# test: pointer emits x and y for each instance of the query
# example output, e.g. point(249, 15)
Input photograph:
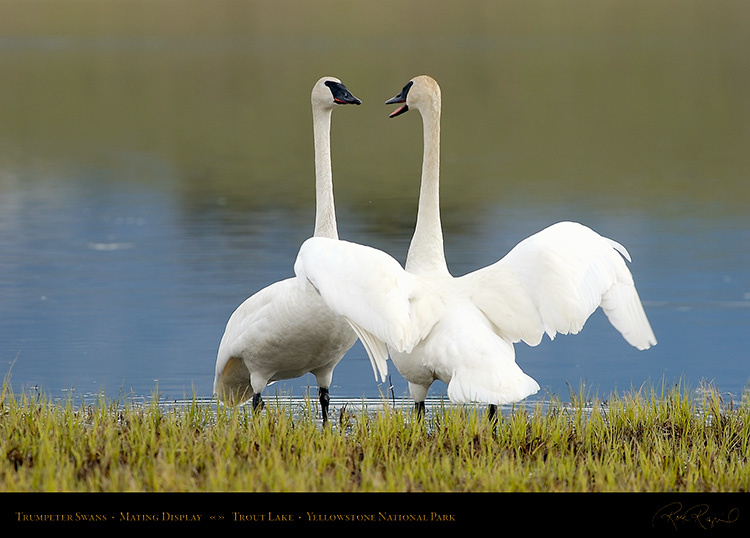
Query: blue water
point(153, 176)
point(119, 288)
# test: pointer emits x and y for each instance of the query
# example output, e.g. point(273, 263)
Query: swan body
point(284, 330)
point(461, 330)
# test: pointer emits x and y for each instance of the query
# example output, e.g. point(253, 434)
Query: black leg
point(492, 417)
point(419, 408)
point(257, 401)
point(325, 398)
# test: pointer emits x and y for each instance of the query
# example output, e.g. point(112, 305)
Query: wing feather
point(384, 304)
point(554, 280)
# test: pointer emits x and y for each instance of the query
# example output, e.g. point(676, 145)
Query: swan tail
point(492, 387)
point(488, 373)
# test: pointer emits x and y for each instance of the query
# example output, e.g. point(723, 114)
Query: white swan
point(283, 331)
point(462, 330)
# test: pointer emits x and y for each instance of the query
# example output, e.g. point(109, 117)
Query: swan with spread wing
point(461, 330)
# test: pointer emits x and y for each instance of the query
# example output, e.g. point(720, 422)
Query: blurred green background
point(636, 104)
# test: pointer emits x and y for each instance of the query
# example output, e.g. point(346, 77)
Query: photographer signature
point(674, 514)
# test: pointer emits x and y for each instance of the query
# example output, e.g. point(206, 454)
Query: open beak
point(400, 98)
point(399, 110)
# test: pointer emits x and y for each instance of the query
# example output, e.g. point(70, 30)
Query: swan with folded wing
point(284, 331)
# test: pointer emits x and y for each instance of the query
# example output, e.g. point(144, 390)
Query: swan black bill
point(400, 98)
point(340, 94)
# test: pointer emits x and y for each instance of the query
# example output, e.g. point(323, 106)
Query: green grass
point(663, 442)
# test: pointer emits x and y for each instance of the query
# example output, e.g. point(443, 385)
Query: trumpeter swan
point(461, 330)
point(284, 331)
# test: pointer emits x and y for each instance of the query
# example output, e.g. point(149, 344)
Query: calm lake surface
point(155, 170)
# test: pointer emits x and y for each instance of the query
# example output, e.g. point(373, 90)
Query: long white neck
point(426, 253)
point(325, 212)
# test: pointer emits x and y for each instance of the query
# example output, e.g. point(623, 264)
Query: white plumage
point(284, 331)
point(461, 330)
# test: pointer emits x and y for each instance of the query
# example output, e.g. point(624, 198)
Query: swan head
point(330, 92)
point(421, 93)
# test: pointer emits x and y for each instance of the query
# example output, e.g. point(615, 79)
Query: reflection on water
point(153, 176)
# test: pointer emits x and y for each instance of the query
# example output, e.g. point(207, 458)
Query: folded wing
point(384, 304)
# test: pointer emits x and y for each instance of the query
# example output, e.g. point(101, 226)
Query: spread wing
point(553, 281)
